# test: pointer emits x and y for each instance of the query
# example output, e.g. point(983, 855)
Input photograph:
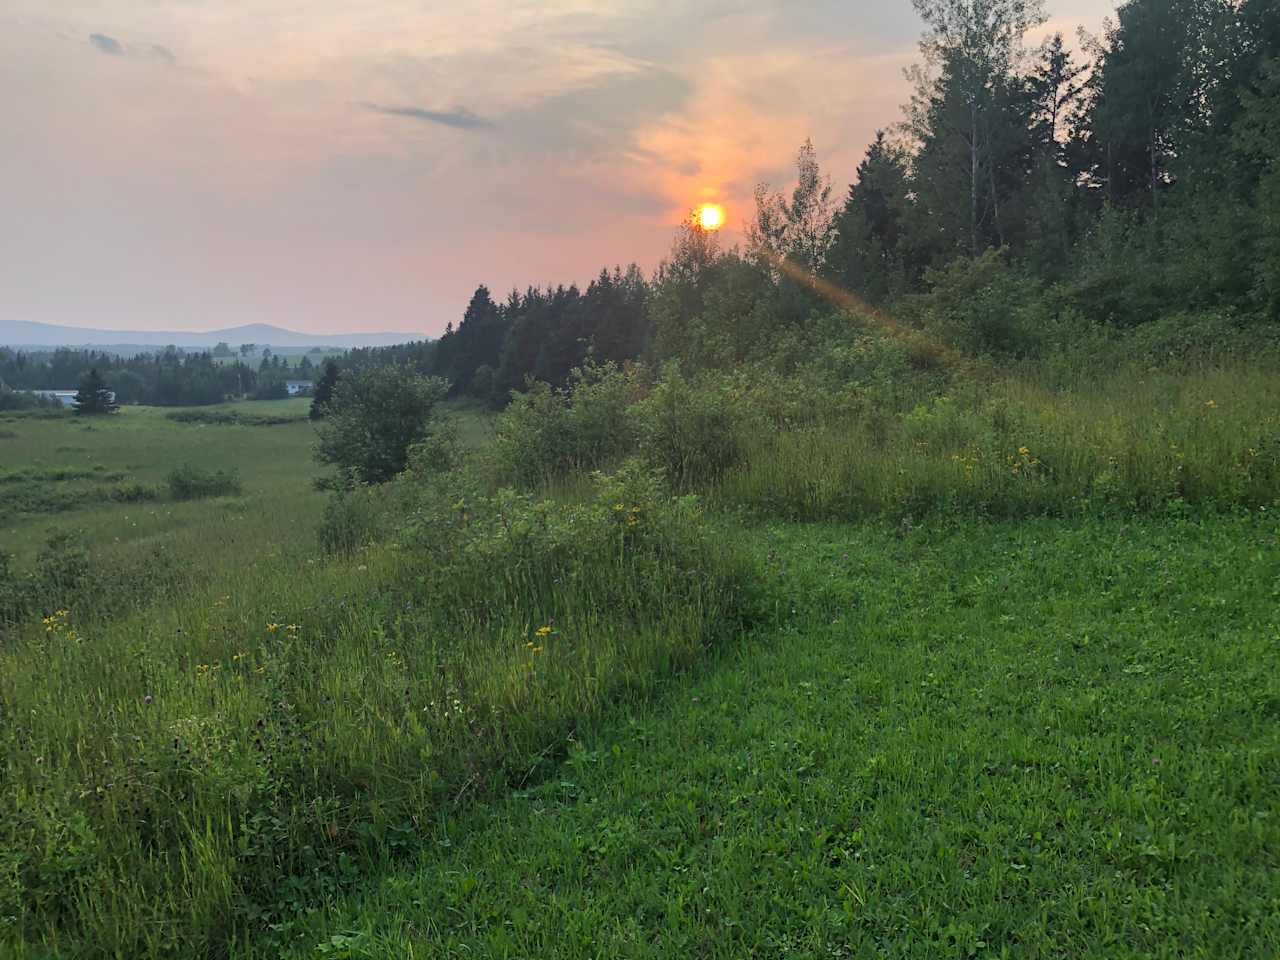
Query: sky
point(331, 166)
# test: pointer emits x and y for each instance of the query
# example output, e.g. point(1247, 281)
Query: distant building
point(298, 388)
point(68, 397)
point(65, 397)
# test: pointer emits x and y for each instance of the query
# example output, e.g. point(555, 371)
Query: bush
point(695, 432)
point(981, 306)
point(132, 493)
point(231, 418)
point(545, 432)
point(22, 400)
point(187, 482)
point(373, 418)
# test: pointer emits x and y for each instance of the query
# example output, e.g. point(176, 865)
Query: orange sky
point(330, 166)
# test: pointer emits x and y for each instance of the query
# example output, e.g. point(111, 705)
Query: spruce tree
point(324, 389)
point(94, 396)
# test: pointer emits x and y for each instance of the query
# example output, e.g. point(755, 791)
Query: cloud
point(461, 118)
point(113, 47)
point(105, 44)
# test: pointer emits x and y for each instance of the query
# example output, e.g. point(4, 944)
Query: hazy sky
point(342, 166)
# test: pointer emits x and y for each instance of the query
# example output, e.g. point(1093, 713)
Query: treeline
point(168, 378)
point(1027, 195)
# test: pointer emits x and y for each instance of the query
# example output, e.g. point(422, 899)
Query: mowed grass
point(1054, 738)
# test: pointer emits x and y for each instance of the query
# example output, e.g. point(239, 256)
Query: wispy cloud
point(461, 118)
point(147, 51)
point(108, 45)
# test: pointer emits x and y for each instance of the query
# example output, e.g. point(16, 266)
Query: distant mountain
point(22, 333)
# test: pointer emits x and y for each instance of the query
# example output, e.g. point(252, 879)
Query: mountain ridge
point(27, 333)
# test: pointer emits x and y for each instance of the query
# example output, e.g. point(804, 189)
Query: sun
point(709, 216)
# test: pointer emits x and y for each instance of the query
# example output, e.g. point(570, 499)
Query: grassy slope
point(1049, 739)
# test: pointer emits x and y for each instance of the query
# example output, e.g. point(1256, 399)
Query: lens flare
point(709, 216)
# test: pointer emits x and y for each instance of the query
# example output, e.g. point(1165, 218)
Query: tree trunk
point(973, 176)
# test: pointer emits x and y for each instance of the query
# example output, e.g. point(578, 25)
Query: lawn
point(1054, 738)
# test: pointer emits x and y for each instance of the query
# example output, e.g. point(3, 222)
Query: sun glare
point(710, 216)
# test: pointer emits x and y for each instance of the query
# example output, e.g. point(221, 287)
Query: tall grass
point(1136, 440)
point(176, 778)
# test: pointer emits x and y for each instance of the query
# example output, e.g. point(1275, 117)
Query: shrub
point(546, 432)
point(22, 400)
point(188, 482)
point(372, 420)
point(132, 492)
point(695, 432)
point(981, 305)
point(231, 418)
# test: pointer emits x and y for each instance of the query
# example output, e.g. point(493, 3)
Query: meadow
point(698, 685)
point(77, 474)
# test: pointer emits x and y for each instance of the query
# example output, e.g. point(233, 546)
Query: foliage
point(546, 432)
point(189, 482)
point(373, 419)
point(168, 378)
point(231, 418)
point(323, 393)
point(94, 397)
point(24, 400)
point(1069, 727)
point(694, 431)
point(211, 767)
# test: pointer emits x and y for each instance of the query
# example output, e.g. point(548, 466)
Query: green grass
point(604, 725)
point(141, 445)
point(1045, 739)
point(1136, 440)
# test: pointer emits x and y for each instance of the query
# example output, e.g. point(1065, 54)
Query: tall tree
point(94, 396)
point(868, 256)
point(799, 230)
point(960, 113)
point(322, 394)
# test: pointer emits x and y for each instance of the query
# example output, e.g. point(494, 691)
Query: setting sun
point(710, 216)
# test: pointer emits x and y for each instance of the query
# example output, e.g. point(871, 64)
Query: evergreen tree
point(94, 396)
point(323, 391)
point(969, 116)
point(868, 256)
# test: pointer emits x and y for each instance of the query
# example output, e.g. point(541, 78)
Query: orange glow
point(709, 216)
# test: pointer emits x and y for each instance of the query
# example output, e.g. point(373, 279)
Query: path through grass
point(1050, 739)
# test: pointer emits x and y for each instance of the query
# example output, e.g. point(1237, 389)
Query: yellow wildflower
point(543, 631)
point(272, 627)
point(1024, 451)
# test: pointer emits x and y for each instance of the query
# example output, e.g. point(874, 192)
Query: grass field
point(1046, 739)
point(142, 445)
point(612, 725)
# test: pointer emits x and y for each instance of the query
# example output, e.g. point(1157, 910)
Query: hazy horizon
point(199, 166)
